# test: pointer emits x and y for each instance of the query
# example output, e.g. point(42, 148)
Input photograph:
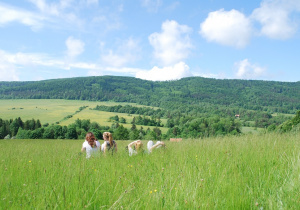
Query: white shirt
point(90, 150)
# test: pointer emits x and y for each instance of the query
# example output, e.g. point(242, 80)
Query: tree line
point(32, 129)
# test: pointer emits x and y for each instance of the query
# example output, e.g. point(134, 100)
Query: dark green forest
point(193, 92)
point(194, 107)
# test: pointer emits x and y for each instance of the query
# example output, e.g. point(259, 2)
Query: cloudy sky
point(150, 39)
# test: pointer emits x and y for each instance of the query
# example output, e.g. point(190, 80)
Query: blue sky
point(150, 39)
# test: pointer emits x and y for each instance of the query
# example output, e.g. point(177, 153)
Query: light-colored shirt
point(90, 151)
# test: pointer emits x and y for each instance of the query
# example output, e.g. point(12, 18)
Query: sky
point(155, 40)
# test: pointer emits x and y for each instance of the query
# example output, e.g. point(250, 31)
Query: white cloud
point(90, 2)
point(173, 44)
point(229, 28)
point(246, 70)
point(151, 5)
point(52, 8)
point(11, 64)
point(62, 13)
point(9, 14)
point(127, 52)
point(175, 72)
point(274, 16)
point(7, 70)
point(173, 5)
point(74, 47)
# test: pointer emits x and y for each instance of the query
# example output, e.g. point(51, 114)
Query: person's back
point(91, 150)
point(109, 143)
point(91, 146)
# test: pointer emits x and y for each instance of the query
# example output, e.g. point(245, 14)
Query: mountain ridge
point(261, 95)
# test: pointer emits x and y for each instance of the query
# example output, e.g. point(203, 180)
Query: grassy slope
point(246, 172)
point(54, 110)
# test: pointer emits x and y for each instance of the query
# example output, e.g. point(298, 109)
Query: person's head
point(90, 137)
point(108, 137)
point(138, 145)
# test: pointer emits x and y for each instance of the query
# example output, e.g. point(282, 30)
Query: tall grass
point(246, 172)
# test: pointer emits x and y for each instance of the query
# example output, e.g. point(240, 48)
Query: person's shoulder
point(85, 143)
point(98, 143)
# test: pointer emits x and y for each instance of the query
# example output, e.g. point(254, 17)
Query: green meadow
point(259, 171)
point(55, 110)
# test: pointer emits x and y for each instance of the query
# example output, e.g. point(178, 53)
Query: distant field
point(251, 130)
point(54, 110)
point(231, 172)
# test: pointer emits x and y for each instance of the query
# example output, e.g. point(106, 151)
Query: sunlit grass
point(55, 110)
point(246, 172)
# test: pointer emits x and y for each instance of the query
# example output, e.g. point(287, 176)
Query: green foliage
point(288, 125)
point(247, 94)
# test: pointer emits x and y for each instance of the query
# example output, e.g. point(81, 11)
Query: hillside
point(192, 93)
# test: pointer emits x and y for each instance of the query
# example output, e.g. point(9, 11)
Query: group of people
point(137, 146)
point(92, 146)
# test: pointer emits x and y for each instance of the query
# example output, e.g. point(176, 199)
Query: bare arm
point(131, 144)
point(156, 145)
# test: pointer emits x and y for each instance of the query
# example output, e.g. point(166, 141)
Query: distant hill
point(184, 94)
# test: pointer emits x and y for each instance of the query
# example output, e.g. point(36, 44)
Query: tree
point(121, 133)
point(22, 134)
point(14, 127)
point(71, 133)
point(48, 133)
point(122, 120)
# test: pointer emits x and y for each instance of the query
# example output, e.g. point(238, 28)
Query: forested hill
point(188, 92)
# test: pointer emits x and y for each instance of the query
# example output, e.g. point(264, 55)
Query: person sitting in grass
point(90, 145)
point(109, 143)
point(135, 147)
point(151, 146)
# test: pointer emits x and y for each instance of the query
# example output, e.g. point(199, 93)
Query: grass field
point(246, 172)
point(52, 111)
point(252, 130)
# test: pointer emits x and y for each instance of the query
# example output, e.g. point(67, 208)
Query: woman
point(151, 147)
point(90, 145)
point(109, 143)
point(135, 147)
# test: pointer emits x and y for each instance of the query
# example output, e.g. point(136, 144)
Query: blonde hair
point(108, 136)
point(138, 145)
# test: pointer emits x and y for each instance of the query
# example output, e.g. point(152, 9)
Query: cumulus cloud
point(174, 72)
point(126, 52)
point(74, 47)
point(173, 44)
point(231, 28)
point(275, 18)
point(9, 14)
point(246, 70)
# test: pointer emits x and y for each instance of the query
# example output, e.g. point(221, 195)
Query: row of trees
point(77, 130)
point(132, 110)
